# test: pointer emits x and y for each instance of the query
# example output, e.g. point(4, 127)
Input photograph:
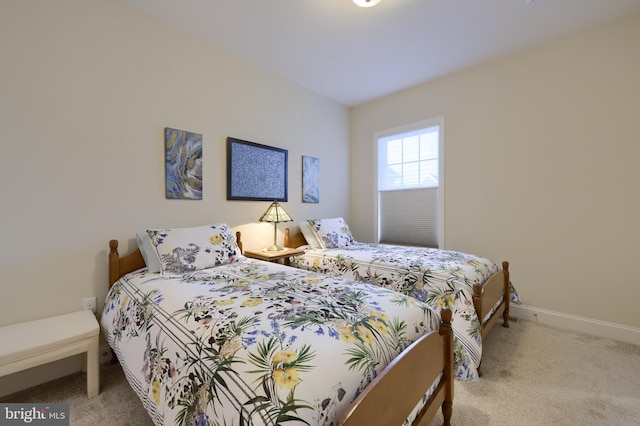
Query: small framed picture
point(310, 179)
point(183, 162)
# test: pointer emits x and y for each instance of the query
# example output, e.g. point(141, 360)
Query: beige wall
point(541, 167)
point(87, 88)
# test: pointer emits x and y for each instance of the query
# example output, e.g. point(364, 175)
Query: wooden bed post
point(477, 304)
point(114, 275)
point(446, 330)
point(114, 262)
point(507, 294)
point(239, 241)
point(287, 237)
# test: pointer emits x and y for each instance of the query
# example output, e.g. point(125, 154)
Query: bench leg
point(93, 369)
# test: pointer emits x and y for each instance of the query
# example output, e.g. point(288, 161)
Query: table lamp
point(276, 214)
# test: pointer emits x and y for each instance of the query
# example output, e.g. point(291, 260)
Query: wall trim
point(598, 328)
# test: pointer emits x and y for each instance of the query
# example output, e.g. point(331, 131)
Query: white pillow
point(183, 250)
point(309, 235)
point(149, 253)
point(332, 233)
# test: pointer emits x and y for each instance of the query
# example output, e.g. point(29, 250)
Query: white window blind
point(408, 186)
point(409, 217)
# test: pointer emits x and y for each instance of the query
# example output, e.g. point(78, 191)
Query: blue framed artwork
point(310, 179)
point(183, 159)
point(255, 171)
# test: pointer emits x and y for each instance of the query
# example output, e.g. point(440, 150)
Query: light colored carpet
point(532, 375)
point(538, 375)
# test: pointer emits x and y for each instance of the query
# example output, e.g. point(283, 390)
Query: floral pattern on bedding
point(441, 278)
point(255, 342)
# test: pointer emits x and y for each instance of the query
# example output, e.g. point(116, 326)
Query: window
point(409, 185)
point(409, 160)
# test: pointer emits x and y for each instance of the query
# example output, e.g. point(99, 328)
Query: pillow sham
point(183, 250)
point(309, 235)
point(332, 233)
point(149, 253)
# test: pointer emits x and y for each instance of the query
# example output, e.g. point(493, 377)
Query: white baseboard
point(598, 328)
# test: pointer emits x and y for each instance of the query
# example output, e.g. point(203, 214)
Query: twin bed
point(213, 337)
point(476, 289)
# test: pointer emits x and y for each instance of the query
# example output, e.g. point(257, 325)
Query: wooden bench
point(38, 342)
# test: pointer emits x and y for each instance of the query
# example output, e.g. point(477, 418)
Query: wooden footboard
point(406, 380)
point(485, 297)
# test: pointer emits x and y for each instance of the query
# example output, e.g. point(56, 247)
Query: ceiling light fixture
point(366, 3)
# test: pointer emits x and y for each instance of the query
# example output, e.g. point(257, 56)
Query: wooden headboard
point(119, 266)
point(294, 241)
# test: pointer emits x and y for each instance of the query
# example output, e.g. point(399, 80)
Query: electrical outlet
point(105, 354)
point(89, 304)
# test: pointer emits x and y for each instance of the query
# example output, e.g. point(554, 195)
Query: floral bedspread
point(441, 278)
point(253, 343)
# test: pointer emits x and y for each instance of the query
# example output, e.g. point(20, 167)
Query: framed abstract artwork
point(310, 179)
point(183, 160)
point(255, 171)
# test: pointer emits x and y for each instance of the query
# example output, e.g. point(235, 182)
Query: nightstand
point(273, 256)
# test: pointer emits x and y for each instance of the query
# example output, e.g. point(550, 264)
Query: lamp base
point(274, 248)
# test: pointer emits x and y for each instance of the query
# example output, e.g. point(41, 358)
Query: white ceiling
point(353, 55)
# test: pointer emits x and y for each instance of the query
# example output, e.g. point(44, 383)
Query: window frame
point(407, 128)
